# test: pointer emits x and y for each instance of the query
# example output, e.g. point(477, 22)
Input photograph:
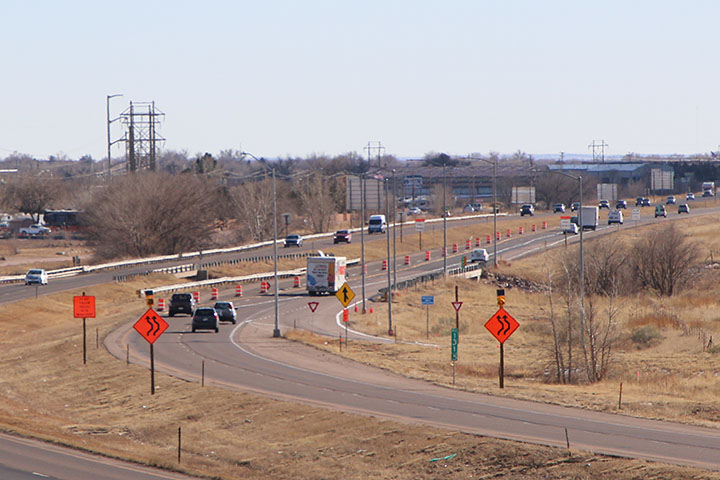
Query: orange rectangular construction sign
point(84, 306)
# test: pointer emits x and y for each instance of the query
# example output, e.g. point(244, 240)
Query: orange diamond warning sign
point(501, 325)
point(150, 326)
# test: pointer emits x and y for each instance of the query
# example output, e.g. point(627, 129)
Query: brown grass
point(105, 406)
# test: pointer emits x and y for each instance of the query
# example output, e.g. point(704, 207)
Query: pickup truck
point(34, 231)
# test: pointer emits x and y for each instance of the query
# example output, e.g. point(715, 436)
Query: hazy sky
point(279, 78)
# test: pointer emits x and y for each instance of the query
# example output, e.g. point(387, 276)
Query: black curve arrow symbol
point(507, 328)
point(154, 326)
point(503, 326)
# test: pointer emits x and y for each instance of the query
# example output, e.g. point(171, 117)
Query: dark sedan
point(205, 318)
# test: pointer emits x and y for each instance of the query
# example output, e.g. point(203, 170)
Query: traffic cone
point(213, 293)
point(161, 305)
point(427, 255)
point(296, 283)
point(468, 243)
point(238, 290)
point(455, 248)
point(407, 259)
point(384, 265)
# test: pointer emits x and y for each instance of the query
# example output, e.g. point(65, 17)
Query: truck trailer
point(590, 217)
point(325, 274)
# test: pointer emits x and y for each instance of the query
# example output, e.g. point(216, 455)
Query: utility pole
point(362, 235)
point(389, 284)
point(598, 147)
point(109, 140)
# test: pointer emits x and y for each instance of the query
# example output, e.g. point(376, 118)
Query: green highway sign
point(454, 344)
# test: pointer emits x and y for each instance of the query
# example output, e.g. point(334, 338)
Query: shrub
point(646, 336)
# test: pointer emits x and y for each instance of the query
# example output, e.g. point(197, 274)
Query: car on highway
point(226, 312)
point(646, 202)
point(575, 206)
point(559, 208)
point(690, 196)
point(37, 276)
point(293, 240)
point(615, 216)
point(469, 209)
point(205, 318)
point(181, 303)
point(639, 201)
point(604, 204)
point(707, 193)
point(342, 236)
point(620, 204)
point(660, 211)
point(572, 228)
point(479, 255)
point(670, 200)
point(683, 208)
point(527, 209)
point(415, 211)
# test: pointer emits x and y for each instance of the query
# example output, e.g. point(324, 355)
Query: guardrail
point(226, 280)
point(66, 272)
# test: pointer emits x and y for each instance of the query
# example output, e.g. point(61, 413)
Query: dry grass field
point(675, 378)
point(105, 406)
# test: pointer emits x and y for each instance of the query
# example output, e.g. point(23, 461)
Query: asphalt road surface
point(245, 357)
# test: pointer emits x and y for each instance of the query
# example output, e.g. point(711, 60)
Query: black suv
point(181, 303)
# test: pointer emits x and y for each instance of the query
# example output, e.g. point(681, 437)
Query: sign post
point(313, 306)
point(501, 326)
point(345, 295)
point(420, 227)
point(150, 326)
point(84, 307)
point(456, 305)
point(454, 337)
point(427, 300)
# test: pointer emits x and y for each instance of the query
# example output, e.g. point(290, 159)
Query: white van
point(377, 224)
point(615, 216)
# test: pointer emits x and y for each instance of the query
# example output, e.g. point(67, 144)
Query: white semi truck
point(325, 274)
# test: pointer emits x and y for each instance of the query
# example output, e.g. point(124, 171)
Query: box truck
point(325, 274)
point(590, 217)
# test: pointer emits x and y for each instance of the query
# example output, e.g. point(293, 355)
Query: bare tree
point(150, 213)
point(31, 195)
point(253, 204)
point(318, 201)
point(663, 260)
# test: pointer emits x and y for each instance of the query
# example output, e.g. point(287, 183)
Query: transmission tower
point(141, 139)
point(378, 148)
point(598, 147)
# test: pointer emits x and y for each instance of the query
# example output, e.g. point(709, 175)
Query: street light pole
point(109, 141)
point(362, 236)
point(276, 330)
point(494, 205)
point(389, 284)
point(444, 215)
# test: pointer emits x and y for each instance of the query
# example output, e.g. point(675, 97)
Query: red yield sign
point(457, 305)
point(150, 326)
point(502, 325)
point(313, 306)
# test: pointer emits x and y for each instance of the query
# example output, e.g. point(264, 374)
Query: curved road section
point(245, 357)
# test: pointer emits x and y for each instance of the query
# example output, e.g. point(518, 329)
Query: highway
point(244, 357)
